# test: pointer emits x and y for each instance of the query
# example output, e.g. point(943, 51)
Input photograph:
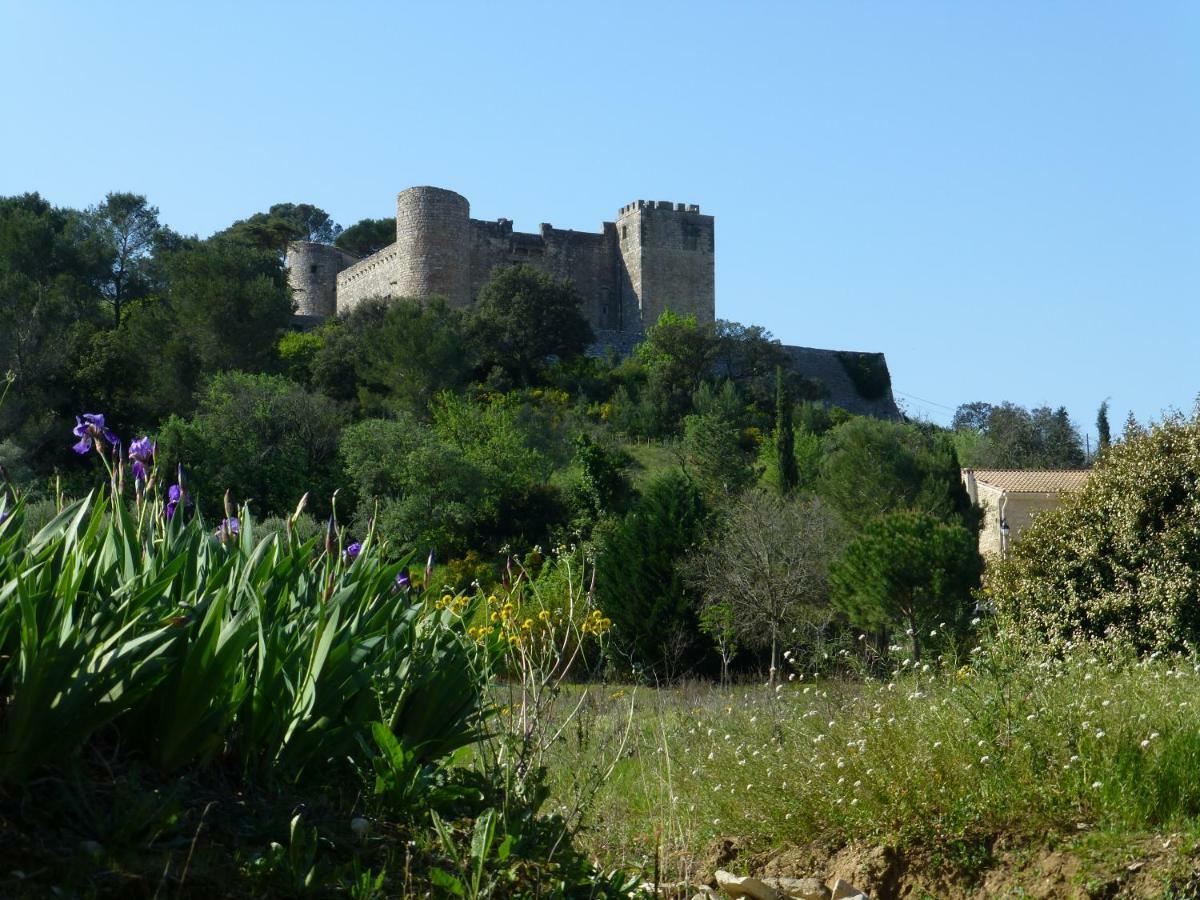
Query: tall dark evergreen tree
point(1103, 430)
point(785, 437)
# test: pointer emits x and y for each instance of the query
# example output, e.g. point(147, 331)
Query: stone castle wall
point(669, 254)
point(659, 256)
point(313, 275)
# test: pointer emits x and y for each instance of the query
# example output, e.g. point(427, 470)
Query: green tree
point(415, 351)
point(641, 579)
point(678, 355)
point(51, 268)
point(601, 487)
point(908, 570)
point(262, 437)
point(367, 236)
point(524, 318)
point(282, 224)
point(128, 226)
point(1103, 431)
point(748, 355)
point(422, 493)
point(785, 438)
point(228, 303)
point(717, 455)
point(871, 467)
point(1008, 436)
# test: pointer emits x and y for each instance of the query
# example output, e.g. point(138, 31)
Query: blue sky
point(1003, 197)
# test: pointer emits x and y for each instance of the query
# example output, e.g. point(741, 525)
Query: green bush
point(1117, 563)
point(641, 584)
point(264, 438)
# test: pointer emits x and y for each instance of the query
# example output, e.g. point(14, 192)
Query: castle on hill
point(656, 256)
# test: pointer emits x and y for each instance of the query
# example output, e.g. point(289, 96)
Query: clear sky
point(1004, 197)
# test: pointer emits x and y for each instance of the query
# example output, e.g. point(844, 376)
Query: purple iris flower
point(228, 528)
point(353, 550)
point(403, 581)
point(90, 428)
point(174, 496)
point(141, 451)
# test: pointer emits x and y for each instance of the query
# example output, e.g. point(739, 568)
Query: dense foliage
point(1118, 562)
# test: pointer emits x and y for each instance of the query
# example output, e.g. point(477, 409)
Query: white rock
point(745, 886)
point(843, 890)
point(799, 888)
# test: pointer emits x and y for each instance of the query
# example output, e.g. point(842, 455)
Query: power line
point(923, 400)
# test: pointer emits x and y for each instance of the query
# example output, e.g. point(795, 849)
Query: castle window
point(624, 232)
point(314, 269)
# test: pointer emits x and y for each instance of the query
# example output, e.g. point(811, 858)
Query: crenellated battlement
point(665, 205)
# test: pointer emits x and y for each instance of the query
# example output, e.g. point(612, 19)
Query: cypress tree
point(1102, 428)
point(785, 437)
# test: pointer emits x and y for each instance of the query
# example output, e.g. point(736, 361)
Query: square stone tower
point(667, 253)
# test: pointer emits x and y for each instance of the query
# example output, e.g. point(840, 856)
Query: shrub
point(1118, 562)
point(640, 579)
point(264, 438)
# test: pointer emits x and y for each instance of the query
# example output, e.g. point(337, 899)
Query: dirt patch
point(1158, 866)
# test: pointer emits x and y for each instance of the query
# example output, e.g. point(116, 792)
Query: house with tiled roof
point(1010, 498)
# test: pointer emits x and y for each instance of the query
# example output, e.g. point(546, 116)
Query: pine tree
point(785, 437)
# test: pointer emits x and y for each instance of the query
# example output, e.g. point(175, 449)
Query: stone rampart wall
point(373, 276)
point(826, 366)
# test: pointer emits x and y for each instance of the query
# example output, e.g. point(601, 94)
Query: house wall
point(1020, 511)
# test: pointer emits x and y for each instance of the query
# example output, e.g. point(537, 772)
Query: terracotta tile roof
point(1032, 481)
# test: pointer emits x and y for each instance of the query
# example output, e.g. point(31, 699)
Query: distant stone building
point(656, 256)
point(1010, 499)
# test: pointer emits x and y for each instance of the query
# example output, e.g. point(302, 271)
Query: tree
point(1103, 431)
point(678, 356)
point(425, 491)
point(1116, 563)
point(785, 438)
point(602, 487)
point(367, 236)
point(51, 268)
point(716, 453)
point(909, 570)
point(524, 318)
point(1009, 436)
point(282, 224)
point(770, 564)
point(640, 579)
point(872, 467)
point(719, 621)
point(748, 355)
point(262, 437)
point(128, 226)
point(415, 351)
point(229, 303)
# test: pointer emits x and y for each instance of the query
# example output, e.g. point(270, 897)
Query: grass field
point(952, 763)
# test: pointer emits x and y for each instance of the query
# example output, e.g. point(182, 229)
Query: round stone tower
point(312, 271)
point(433, 244)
